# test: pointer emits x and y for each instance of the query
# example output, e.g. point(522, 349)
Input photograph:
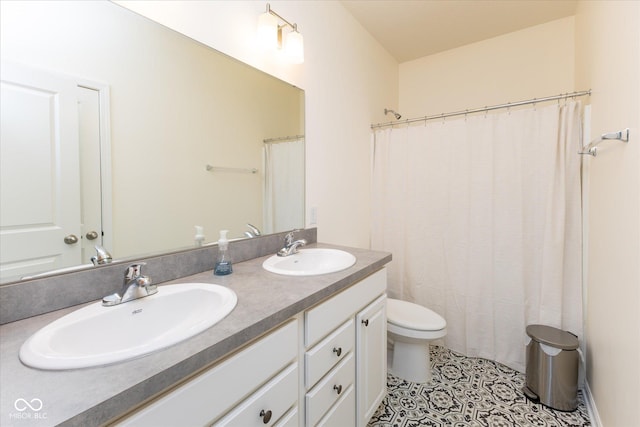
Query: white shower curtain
point(283, 186)
point(482, 215)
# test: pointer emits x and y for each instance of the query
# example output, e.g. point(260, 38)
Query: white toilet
point(410, 327)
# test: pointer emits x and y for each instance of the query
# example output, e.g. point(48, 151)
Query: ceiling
point(411, 29)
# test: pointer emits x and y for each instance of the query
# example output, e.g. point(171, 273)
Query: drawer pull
point(337, 351)
point(365, 322)
point(338, 388)
point(266, 416)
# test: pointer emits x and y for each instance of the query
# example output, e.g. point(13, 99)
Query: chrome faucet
point(135, 286)
point(102, 256)
point(291, 246)
point(253, 231)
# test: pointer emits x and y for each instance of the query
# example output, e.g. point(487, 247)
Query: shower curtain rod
point(483, 109)
point(282, 139)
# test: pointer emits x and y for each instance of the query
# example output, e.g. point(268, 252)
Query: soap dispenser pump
point(223, 260)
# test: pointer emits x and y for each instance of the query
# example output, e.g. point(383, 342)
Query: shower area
point(482, 211)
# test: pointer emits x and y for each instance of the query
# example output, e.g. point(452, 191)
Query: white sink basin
point(310, 262)
point(95, 335)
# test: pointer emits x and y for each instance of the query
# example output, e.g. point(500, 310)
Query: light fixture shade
point(268, 31)
point(294, 47)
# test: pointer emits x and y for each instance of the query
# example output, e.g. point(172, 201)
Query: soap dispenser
point(223, 260)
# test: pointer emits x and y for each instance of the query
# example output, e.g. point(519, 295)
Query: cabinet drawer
point(324, 318)
point(325, 355)
point(324, 395)
point(215, 391)
point(343, 413)
point(267, 405)
point(290, 419)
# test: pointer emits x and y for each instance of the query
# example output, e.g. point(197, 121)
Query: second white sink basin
point(310, 262)
point(95, 335)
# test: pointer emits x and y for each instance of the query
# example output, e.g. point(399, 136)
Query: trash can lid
point(553, 337)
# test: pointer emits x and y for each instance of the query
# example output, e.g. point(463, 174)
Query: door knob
point(71, 239)
point(338, 388)
point(92, 235)
point(337, 351)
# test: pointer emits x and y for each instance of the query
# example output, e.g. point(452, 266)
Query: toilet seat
point(408, 315)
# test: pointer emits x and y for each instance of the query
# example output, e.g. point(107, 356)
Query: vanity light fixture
point(270, 34)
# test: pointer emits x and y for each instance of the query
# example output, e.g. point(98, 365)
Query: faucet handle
point(254, 230)
point(288, 239)
point(102, 256)
point(134, 270)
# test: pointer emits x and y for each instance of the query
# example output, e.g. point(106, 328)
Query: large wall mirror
point(121, 133)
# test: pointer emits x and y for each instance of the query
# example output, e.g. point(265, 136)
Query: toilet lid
point(413, 316)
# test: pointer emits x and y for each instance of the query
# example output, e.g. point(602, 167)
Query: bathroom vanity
point(296, 351)
point(324, 346)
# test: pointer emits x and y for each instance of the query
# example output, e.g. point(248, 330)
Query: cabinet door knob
point(92, 235)
point(338, 388)
point(337, 351)
point(365, 322)
point(266, 416)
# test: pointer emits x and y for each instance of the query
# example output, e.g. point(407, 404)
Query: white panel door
point(39, 182)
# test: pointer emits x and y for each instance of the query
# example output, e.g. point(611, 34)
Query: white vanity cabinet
point(256, 386)
point(325, 367)
point(371, 373)
point(345, 355)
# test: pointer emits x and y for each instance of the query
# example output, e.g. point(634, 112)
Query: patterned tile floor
point(467, 391)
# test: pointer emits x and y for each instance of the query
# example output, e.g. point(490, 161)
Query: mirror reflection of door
point(90, 191)
point(44, 221)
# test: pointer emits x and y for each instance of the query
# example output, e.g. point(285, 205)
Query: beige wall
point(348, 81)
point(526, 64)
point(608, 61)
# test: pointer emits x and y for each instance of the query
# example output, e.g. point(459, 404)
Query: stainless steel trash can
point(552, 367)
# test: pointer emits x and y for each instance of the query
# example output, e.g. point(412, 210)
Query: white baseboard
point(592, 410)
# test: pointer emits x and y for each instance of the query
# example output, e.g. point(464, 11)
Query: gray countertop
point(93, 396)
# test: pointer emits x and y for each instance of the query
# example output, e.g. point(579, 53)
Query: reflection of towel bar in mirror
point(224, 169)
point(283, 139)
point(591, 149)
